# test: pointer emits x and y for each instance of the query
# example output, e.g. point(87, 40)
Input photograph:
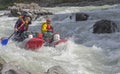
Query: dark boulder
point(81, 16)
point(2, 61)
point(56, 70)
point(104, 26)
point(10, 68)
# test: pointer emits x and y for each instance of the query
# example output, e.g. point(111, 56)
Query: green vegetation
point(4, 4)
point(24, 1)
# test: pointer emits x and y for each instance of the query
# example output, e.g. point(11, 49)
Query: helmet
point(48, 20)
point(30, 36)
point(56, 37)
point(39, 35)
point(27, 14)
point(19, 13)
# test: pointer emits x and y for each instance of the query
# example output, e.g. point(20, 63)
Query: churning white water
point(84, 53)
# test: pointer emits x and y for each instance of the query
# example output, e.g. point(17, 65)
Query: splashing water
point(84, 53)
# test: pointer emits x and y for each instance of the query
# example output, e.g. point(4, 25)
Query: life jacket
point(26, 27)
point(27, 22)
point(18, 23)
point(48, 27)
point(44, 28)
point(21, 25)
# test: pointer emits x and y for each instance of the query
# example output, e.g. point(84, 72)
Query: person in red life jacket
point(20, 17)
point(47, 30)
point(22, 26)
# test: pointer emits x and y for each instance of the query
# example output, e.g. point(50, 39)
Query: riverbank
point(60, 3)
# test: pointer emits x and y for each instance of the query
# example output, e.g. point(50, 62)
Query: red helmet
point(40, 35)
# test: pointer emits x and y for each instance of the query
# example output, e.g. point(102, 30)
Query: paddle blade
point(4, 41)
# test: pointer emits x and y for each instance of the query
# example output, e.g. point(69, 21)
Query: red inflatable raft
point(34, 43)
point(60, 41)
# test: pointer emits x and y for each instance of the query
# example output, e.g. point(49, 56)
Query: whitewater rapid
point(84, 53)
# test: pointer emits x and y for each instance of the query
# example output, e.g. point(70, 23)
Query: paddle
point(4, 41)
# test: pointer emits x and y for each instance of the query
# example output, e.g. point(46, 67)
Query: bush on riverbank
point(5, 3)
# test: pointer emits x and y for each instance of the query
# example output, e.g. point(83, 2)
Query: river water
point(84, 53)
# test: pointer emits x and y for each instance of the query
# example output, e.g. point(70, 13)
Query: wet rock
point(56, 70)
point(9, 68)
point(32, 8)
point(104, 26)
point(81, 16)
point(2, 61)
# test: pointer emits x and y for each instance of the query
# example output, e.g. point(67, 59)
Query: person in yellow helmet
point(46, 26)
point(47, 30)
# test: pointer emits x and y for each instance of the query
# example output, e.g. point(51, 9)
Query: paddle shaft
point(11, 35)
